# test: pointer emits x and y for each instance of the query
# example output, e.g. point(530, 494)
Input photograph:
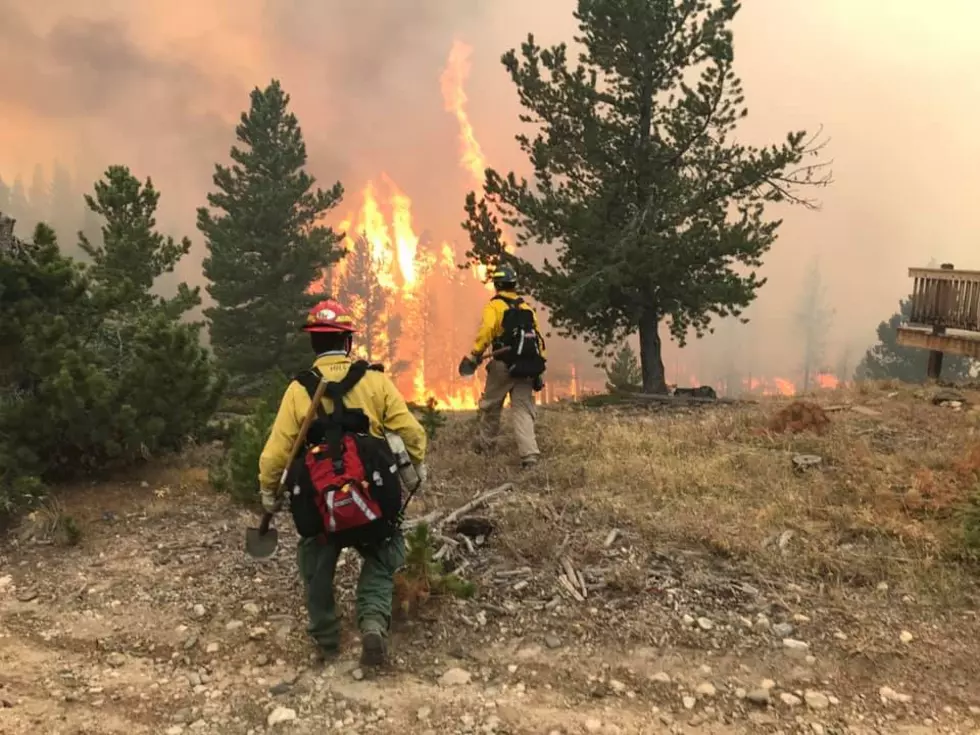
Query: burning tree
point(652, 206)
point(378, 327)
point(265, 244)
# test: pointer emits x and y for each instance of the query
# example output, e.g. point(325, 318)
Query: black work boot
point(374, 649)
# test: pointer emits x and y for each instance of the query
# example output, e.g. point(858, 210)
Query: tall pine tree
point(813, 318)
point(657, 213)
point(265, 244)
point(132, 254)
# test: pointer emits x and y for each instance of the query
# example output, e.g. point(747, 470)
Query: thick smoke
point(160, 85)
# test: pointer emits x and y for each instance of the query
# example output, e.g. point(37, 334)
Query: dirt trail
point(158, 623)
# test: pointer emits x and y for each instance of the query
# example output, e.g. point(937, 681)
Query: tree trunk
point(651, 360)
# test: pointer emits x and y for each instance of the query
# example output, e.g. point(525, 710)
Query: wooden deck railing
point(947, 298)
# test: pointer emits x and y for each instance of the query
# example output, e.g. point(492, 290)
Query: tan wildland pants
point(521, 391)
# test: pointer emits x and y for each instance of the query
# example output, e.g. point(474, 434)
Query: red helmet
point(329, 316)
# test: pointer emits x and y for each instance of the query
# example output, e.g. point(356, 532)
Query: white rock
point(790, 700)
point(689, 702)
point(816, 700)
point(175, 730)
point(705, 623)
point(423, 713)
point(212, 648)
point(617, 686)
point(687, 620)
point(906, 637)
point(794, 645)
point(5, 581)
point(768, 684)
point(889, 695)
point(705, 689)
point(257, 633)
point(455, 677)
point(233, 624)
point(661, 677)
point(251, 608)
point(199, 611)
point(280, 715)
point(593, 725)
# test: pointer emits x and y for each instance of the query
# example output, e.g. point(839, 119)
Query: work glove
point(468, 365)
point(270, 500)
point(423, 472)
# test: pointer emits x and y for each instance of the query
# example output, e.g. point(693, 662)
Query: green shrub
point(237, 471)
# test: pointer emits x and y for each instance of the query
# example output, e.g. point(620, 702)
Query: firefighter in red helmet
point(331, 329)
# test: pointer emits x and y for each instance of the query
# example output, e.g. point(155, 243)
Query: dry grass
point(887, 502)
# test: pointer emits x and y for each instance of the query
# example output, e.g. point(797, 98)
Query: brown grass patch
point(884, 504)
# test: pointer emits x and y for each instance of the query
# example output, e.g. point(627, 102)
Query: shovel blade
point(260, 545)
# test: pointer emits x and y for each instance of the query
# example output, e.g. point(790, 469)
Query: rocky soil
point(157, 622)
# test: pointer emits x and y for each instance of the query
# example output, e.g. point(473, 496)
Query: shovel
point(468, 367)
point(261, 542)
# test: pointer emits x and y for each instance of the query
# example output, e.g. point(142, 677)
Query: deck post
point(935, 365)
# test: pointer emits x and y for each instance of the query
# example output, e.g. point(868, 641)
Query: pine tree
point(888, 359)
point(132, 255)
point(813, 318)
point(4, 196)
point(66, 204)
point(657, 214)
point(265, 243)
point(360, 289)
point(39, 194)
point(623, 373)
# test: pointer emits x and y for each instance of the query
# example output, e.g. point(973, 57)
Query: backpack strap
point(511, 303)
point(310, 380)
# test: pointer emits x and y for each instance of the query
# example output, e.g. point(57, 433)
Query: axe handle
point(297, 443)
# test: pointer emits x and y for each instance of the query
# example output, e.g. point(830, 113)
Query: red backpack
point(344, 484)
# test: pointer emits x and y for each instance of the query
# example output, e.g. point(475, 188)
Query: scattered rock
point(115, 660)
point(705, 623)
point(593, 725)
point(174, 730)
point(424, 713)
point(282, 687)
point(796, 648)
point(759, 697)
point(251, 609)
point(233, 625)
point(455, 677)
point(889, 695)
point(782, 630)
point(617, 686)
point(661, 677)
point(199, 611)
point(257, 634)
point(358, 674)
point(689, 702)
point(790, 700)
point(552, 641)
point(212, 647)
point(280, 715)
point(906, 637)
point(705, 689)
point(27, 595)
point(816, 700)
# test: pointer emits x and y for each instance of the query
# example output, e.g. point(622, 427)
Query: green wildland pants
point(317, 565)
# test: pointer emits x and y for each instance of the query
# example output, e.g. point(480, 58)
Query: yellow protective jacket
point(374, 394)
point(492, 322)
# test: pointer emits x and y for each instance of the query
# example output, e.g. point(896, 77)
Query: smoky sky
point(159, 85)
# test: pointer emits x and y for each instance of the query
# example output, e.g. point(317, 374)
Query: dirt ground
point(727, 589)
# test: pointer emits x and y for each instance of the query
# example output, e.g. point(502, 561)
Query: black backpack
point(518, 333)
point(344, 483)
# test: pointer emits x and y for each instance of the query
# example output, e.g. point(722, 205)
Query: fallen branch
point(477, 502)
point(576, 595)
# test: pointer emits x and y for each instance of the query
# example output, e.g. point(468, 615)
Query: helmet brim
point(327, 329)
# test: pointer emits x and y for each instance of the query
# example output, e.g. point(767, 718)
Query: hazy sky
point(159, 85)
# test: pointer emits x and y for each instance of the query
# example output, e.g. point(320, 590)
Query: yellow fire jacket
point(375, 394)
point(492, 322)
